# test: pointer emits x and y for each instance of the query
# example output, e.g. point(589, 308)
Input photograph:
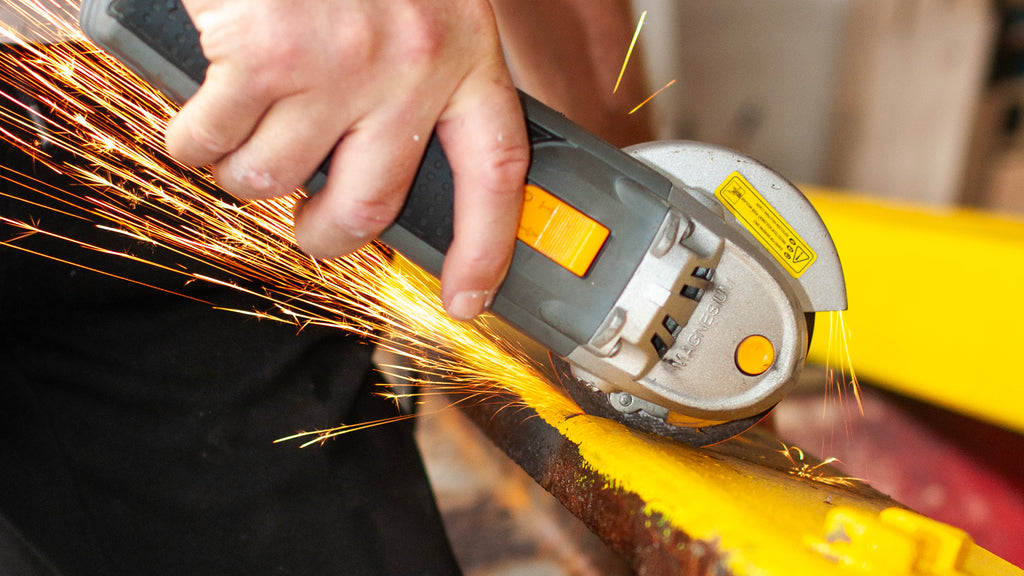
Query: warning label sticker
point(766, 224)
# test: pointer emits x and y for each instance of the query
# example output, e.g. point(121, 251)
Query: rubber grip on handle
point(168, 29)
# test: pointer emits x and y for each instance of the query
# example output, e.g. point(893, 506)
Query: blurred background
point(910, 99)
point(920, 102)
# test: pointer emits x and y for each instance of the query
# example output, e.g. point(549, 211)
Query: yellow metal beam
point(745, 507)
point(936, 303)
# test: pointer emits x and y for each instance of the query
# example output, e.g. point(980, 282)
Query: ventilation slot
point(659, 345)
point(693, 293)
point(671, 325)
point(704, 273)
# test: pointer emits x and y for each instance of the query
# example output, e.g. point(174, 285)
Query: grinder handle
point(546, 300)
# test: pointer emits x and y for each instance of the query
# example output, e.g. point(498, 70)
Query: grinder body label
point(766, 224)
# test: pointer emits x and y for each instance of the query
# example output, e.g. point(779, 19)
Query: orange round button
point(754, 356)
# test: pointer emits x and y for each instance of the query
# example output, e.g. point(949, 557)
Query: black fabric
point(18, 556)
point(137, 427)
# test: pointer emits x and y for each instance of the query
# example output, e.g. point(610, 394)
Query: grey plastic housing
point(165, 62)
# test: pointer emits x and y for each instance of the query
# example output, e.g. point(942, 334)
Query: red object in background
point(951, 468)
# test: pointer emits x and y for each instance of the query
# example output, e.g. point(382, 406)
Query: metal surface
point(703, 168)
point(709, 282)
point(947, 466)
point(737, 508)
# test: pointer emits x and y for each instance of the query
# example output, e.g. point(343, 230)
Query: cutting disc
point(597, 403)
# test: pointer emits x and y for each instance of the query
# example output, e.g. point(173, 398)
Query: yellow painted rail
point(936, 303)
point(744, 508)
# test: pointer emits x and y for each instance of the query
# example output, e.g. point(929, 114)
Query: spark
point(838, 362)
point(813, 472)
point(100, 125)
point(629, 51)
point(651, 97)
point(31, 228)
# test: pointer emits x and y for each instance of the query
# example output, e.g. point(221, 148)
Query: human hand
point(289, 82)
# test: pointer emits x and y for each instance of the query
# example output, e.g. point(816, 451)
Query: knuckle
point(506, 169)
point(208, 140)
point(368, 217)
point(424, 45)
point(279, 56)
point(270, 72)
point(255, 46)
point(241, 179)
point(423, 39)
point(353, 47)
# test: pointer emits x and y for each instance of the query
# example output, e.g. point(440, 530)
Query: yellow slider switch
point(562, 233)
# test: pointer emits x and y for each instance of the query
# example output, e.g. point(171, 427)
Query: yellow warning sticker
point(559, 231)
point(766, 224)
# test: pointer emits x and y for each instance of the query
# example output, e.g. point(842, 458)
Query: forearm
point(568, 53)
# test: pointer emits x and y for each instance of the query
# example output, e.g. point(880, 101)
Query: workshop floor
point(951, 468)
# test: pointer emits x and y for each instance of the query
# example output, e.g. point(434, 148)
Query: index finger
point(216, 120)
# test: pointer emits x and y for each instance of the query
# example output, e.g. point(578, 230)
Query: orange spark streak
point(651, 97)
point(802, 469)
point(629, 52)
point(112, 124)
point(34, 229)
point(839, 371)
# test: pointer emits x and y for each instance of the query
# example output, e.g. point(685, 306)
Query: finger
point(484, 135)
point(216, 120)
point(292, 140)
point(370, 174)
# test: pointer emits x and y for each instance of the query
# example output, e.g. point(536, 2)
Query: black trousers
point(136, 426)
